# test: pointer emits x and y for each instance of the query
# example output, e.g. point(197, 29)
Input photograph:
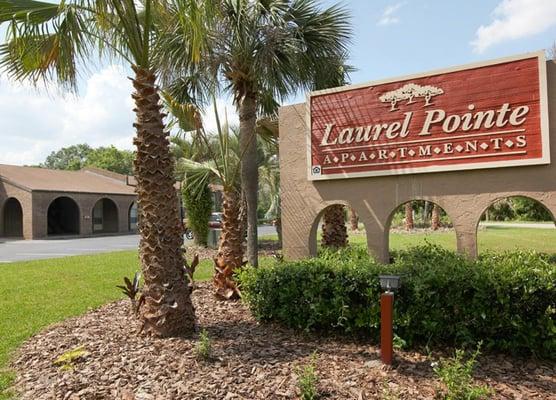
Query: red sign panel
point(480, 116)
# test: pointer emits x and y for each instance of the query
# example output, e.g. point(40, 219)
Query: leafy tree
point(69, 158)
point(75, 157)
point(111, 159)
point(50, 42)
point(527, 209)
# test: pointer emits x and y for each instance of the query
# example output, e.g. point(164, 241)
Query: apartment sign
point(486, 115)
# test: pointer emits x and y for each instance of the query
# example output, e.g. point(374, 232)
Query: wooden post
point(386, 327)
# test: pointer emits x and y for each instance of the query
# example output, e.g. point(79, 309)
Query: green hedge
point(508, 300)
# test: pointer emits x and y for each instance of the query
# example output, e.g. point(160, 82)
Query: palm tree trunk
point(230, 250)
point(243, 217)
point(435, 219)
point(353, 219)
point(334, 232)
point(166, 308)
point(249, 171)
point(278, 225)
point(409, 225)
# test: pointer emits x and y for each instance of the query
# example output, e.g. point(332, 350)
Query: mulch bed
point(249, 361)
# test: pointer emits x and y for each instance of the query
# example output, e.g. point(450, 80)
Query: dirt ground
point(248, 361)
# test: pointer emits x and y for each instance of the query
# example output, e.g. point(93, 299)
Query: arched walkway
point(12, 216)
point(63, 217)
point(132, 217)
point(105, 216)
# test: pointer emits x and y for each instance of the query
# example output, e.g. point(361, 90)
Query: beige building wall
point(464, 195)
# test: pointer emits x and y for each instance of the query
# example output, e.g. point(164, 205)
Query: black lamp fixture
point(390, 283)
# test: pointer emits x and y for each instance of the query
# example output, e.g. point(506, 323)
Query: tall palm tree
point(353, 219)
point(409, 224)
point(49, 42)
point(334, 231)
point(223, 168)
point(435, 219)
point(266, 50)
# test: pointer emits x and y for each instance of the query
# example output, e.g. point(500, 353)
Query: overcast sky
point(392, 38)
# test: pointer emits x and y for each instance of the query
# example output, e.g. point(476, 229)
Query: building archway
point(105, 216)
point(63, 217)
point(132, 217)
point(338, 227)
point(417, 222)
point(12, 218)
point(517, 222)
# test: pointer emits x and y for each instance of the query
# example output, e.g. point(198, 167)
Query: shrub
point(198, 207)
point(506, 300)
point(203, 350)
point(456, 374)
point(307, 379)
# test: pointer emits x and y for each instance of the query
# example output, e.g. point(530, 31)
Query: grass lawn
point(493, 238)
point(35, 294)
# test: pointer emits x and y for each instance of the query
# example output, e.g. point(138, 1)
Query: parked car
point(215, 222)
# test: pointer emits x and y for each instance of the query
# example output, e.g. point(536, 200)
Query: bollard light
point(389, 283)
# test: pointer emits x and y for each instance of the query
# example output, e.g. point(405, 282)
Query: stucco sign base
point(464, 195)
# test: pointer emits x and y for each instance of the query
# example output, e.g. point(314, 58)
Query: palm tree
point(334, 231)
point(409, 225)
point(266, 50)
point(49, 42)
point(353, 219)
point(222, 168)
point(435, 219)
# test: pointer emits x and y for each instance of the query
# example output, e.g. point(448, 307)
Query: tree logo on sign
point(410, 92)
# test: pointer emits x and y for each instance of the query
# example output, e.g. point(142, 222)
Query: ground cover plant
point(507, 300)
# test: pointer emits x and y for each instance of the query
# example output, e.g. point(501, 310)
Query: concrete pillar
point(377, 239)
point(466, 236)
point(86, 205)
point(301, 239)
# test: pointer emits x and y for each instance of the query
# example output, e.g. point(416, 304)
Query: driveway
point(21, 250)
point(534, 225)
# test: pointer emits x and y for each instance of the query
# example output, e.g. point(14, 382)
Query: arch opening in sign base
point(517, 222)
point(419, 222)
point(337, 226)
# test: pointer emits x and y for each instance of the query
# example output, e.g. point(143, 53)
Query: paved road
point(535, 225)
point(20, 250)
